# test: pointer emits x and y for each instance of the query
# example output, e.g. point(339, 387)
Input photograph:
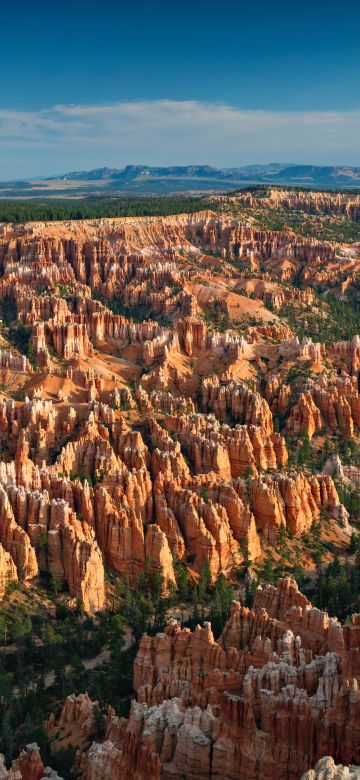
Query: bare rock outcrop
point(162, 436)
point(272, 696)
point(326, 768)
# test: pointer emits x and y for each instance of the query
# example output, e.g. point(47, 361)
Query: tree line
point(45, 210)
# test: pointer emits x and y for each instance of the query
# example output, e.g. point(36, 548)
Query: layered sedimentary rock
point(161, 436)
point(322, 202)
point(328, 403)
point(153, 402)
point(305, 416)
point(245, 405)
point(28, 766)
point(8, 571)
point(202, 481)
point(98, 502)
point(77, 711)
point(326, 768)
point(276, 693)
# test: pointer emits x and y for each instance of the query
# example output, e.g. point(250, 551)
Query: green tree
point(205, 579)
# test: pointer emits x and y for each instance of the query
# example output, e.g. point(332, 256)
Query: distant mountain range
point(177, 179)
point(273, 172)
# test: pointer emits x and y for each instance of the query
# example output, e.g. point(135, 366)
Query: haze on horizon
point(198, 84)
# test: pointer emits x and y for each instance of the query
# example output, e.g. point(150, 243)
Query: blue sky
point(84, 84)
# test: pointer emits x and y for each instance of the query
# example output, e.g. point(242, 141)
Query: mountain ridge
point(281, 172)
point(181, 179)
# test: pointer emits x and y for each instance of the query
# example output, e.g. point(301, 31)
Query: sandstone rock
point(185, 463)
point(243, 707)
point(158, 552)
point(305, 417)
point(29, 764)
point(326, 768)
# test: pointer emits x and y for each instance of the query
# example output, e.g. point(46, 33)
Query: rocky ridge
point(129, 443)
point(277, 693)
point(157, 411)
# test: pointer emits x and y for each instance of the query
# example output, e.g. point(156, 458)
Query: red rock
point(271, 697)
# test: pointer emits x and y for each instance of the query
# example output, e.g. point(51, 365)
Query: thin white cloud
point(170, 132)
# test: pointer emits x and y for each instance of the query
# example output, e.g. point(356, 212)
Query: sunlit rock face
point(158, 437)
point(245, 706)
point(162, 393)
